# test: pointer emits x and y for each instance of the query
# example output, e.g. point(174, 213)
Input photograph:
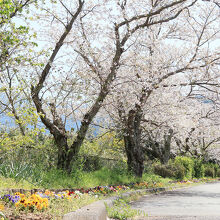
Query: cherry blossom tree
point(93, 64)
point(175, 54)
point(193, 120)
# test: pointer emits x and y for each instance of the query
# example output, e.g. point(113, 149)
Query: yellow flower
point(33, 202)
point(17, 204)
point(29, 203)
point(47, 192)
point(22, 196)
point(44, 205)
point(1, 207)
point(22, 201)
point(39, 206)
point(45, 200)
point(25, 204)
point(33, 196)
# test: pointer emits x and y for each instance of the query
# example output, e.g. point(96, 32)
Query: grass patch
point(59, 208)
point(57, 179)
point(7, 183)
point(122, 210)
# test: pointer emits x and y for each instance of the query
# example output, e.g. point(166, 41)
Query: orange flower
point(47, 192)
point(39, 206)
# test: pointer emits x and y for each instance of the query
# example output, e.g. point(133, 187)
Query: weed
point(122, 210)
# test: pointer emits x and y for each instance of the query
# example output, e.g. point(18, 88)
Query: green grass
point(58, 208)
point(56, 179)
point(122, 210)
point(9, 183)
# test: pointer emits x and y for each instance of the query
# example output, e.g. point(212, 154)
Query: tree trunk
point(132, 139)
point(135, 156)
point(62, 146)
point(75, 147)
point(73, 153)
point(167, 146)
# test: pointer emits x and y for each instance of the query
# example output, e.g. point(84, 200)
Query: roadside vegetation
point(42, 191)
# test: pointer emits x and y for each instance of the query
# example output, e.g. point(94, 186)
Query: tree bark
point(61, 142)
point(132, 139)
point(135, 156)
point(167, 147)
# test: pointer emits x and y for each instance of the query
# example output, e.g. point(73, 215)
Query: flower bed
point(40, 202)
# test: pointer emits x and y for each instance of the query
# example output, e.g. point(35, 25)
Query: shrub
point(199, 170)
point(164, 171)
point(180, 172)
point(209, 172)
point(91, 163)
point(216, 167)
point(170, 170)
point(187, 163)
point(211, 169)
point(218, 173)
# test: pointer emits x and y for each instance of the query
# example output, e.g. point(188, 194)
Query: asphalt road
point(200, 202)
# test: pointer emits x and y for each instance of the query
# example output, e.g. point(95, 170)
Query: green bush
point(199, 169)
point(209, 172)
point(216, 167)
point(211, 169)
point(187, 163)
point(218, 173)
point(180, 172)
point(170, 170)
point(91, 163)
point(164, 171)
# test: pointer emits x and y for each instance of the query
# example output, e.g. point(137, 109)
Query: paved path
point(200, 202)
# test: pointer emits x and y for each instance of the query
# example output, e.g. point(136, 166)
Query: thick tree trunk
point(135, 156)
point(81, 134)
point(132, 139)
point(62, 146)
point(73, 153)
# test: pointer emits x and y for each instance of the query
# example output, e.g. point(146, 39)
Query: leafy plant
point(122, 210)
point(187, 163)
point(199, 169)
point(218, 173)
point(209, 172)
point(170, 170)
